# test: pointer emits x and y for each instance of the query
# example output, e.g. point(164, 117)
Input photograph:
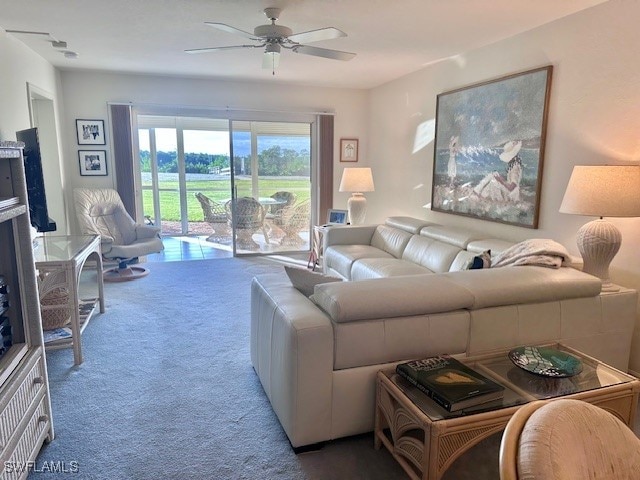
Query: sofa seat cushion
point(368, 268)
point(391, 297)
point(340, 258)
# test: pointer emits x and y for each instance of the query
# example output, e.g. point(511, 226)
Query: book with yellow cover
point(449, 382)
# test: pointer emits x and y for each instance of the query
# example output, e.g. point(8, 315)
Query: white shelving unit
point(25, 404)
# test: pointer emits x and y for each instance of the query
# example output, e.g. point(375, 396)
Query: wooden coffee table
point(426, 439)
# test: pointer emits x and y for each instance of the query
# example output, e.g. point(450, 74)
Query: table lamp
point(602, 191)
point(357, 180)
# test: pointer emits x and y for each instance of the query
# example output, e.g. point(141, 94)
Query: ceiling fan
point(275, 37)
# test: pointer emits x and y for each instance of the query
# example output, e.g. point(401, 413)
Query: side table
point(59, 261)
point(425, 439)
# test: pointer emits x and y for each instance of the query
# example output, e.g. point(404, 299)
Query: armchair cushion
point(101, 212)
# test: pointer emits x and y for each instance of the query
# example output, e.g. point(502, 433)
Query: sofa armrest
point(349, 235)
point(292, 353)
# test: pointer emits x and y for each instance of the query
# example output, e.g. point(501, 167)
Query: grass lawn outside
point(218, 189)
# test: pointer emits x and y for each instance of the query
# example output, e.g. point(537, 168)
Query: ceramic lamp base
point(598, 242)
point(357, 207)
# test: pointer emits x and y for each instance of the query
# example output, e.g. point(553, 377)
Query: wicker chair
point(215, 215)
point(568, 439)
point(284, 199)
point(295, 219)
point(248, 217)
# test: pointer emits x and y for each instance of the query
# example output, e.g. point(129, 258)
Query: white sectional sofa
point(408, 296)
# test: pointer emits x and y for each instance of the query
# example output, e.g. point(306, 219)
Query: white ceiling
point(390, 38)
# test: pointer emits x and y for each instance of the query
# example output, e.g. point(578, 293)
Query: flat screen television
point(35, 181)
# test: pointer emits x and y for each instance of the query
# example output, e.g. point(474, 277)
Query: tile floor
point(177, 249)
point(184, 248)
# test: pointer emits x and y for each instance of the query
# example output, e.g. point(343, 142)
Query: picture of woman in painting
point(497, 187)
point(452, 167)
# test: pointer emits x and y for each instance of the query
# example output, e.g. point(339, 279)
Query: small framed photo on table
point(90, 132)
point(93, 162)
point(336, 217)
point(348, 149)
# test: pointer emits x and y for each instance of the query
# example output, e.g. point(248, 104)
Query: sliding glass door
point(272, 179)
point(259, 203)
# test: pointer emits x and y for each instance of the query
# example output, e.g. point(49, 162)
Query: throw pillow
point(304, 280)
point(480, 261)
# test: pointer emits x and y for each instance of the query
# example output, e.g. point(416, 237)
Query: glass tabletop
point(520, 385)
point(59, 248)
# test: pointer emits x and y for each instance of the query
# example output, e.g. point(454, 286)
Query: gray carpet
point(167, 391)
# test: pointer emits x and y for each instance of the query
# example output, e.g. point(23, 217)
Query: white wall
point(593, 119)
point(86, 95)
point(21, 66)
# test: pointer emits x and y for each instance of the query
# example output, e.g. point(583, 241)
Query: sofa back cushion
point(391, 297)
point(408, 224)
point(390, 240)
point(460, 237)
point(491, 287)
point(432, 254)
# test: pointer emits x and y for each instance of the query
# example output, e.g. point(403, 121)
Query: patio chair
point(284, 199)
point(247, 217)
point(101, 212)
point(295, 219)
point(215, 215)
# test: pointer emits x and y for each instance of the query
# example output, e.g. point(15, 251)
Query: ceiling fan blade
point(229, 29)
point(317, 35)
point(213, 49)
point(323, 52)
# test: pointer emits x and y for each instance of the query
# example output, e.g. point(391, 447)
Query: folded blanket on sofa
point(542, 252)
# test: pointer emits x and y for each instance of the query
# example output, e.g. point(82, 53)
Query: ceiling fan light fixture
point(271, 58)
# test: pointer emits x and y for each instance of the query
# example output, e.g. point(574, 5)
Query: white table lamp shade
point(357, 180)
point(603, 191)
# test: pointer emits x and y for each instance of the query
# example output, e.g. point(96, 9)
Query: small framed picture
point(348, 149)
point(336, 217)
point(93, 162)
point(90, 132)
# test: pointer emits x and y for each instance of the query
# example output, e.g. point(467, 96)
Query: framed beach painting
point(489, 148)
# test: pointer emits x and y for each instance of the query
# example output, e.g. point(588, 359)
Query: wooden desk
point(61, 259)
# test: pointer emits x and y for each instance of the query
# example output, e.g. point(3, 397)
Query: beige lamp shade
point(357, 180)
point(602, 191)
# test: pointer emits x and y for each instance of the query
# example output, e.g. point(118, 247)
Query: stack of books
point(450, 383)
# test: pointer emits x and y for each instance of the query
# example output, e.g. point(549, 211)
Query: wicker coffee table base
point(426, 448)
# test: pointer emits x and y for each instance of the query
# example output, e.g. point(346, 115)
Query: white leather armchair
point(101, 212)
